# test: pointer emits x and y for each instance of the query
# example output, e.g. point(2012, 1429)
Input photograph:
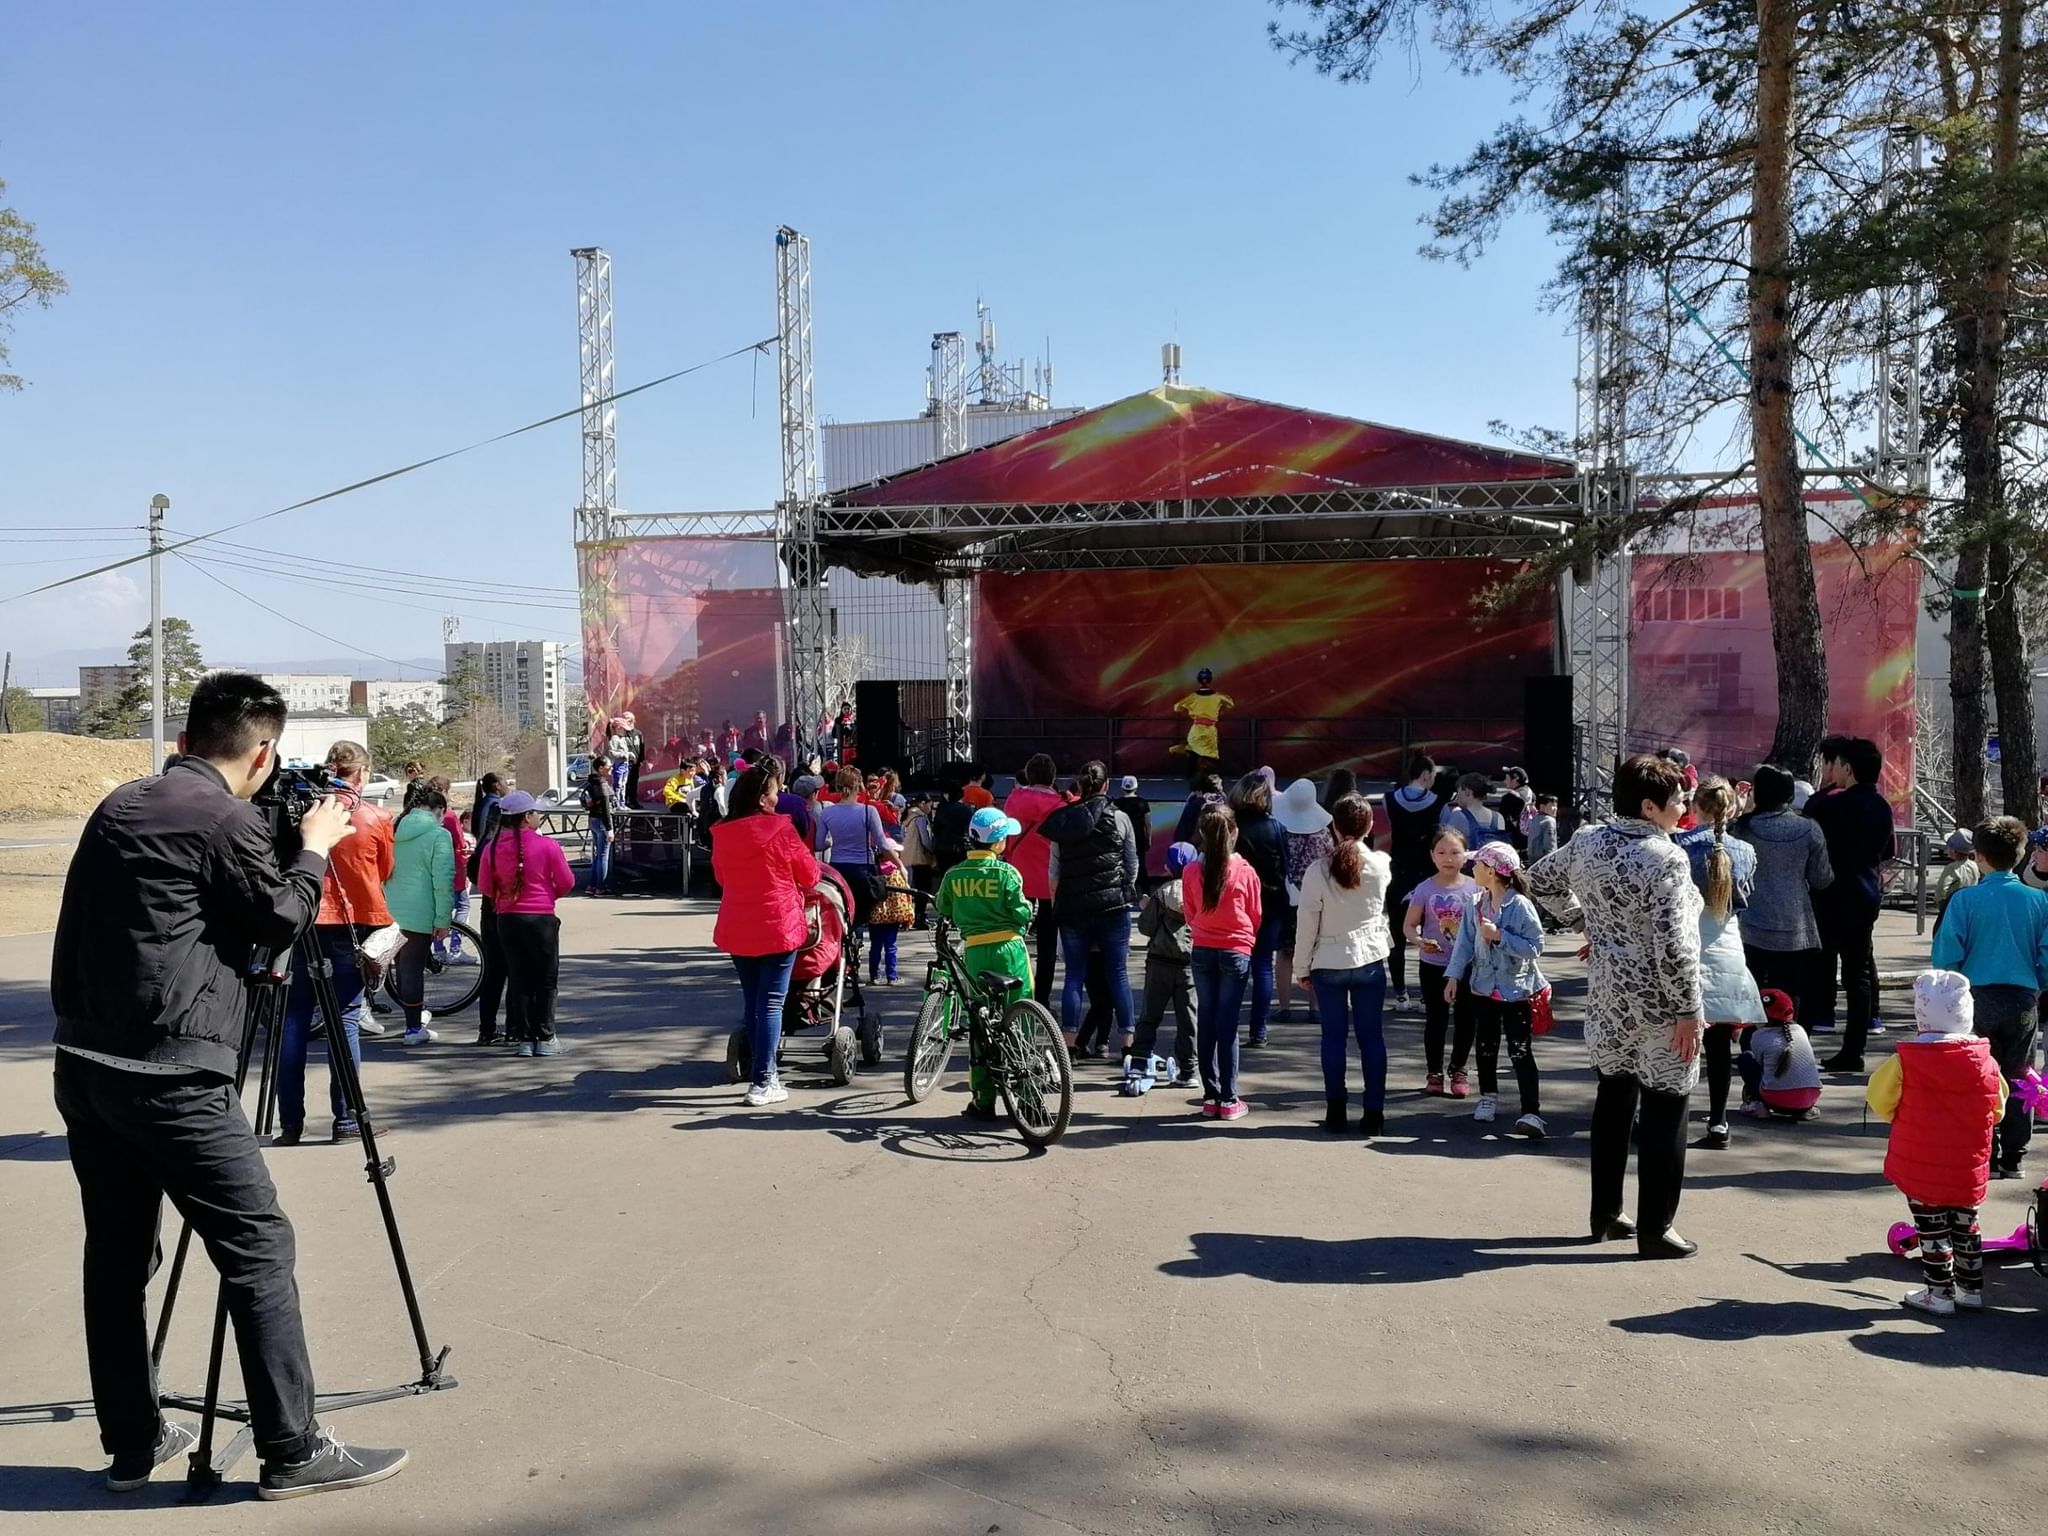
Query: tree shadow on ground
point(1290, 1260)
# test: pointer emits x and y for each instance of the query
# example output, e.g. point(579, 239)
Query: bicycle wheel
point(931, 1047)
point(449, 985)
point(1035, 1076)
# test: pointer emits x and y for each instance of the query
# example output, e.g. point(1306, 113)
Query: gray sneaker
point(551, 1046)
point(332, 1467)
point(132, 1471)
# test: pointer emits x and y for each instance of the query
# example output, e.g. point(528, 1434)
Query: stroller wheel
point(870, 1041)
point(842, 1052)
point(739, 1059)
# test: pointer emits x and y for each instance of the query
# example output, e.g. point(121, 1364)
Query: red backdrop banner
point(1326, 665)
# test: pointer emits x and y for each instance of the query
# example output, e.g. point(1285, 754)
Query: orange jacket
point(357, 870)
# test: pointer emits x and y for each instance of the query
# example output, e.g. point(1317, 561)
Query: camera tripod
point(270, 983)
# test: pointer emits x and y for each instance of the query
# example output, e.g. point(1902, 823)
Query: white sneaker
point(1532, 1126)
point(765, 1093)
point(421, 1036)
point(368, 1027)
point(1932, 1302)
point(1969, 1301)
point(464, 957)
point(1483, 1110)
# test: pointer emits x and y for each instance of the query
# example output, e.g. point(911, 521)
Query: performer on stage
point(1204, 709)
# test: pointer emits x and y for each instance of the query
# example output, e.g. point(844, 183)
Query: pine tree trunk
point(1788, 556)
point(1968, 723)
point(2012, 659)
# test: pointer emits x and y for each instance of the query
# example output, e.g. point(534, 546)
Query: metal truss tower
point(796, 520)
point(596, 551)
point(1595, 597)
point(947, 386)
point(599, 381)
point(1902, 459)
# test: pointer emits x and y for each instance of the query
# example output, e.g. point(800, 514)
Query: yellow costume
point(1203, 710)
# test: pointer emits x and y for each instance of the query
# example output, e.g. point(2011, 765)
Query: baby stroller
point(824, 988)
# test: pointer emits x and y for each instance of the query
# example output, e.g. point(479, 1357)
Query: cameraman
point(174, 885)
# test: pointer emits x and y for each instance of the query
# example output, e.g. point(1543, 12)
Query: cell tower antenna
point(599, 383)
point(946, 384)
point(797, 514)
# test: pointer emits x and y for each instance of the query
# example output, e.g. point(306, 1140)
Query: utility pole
point(159, 504)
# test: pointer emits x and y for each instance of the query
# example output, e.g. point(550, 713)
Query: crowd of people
point(1724, 925)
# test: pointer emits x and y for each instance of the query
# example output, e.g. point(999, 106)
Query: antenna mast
point(796, 519)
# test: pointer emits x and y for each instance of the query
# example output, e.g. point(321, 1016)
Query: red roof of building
point(1178, 442)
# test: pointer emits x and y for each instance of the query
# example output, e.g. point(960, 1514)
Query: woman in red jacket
point(763, 871)
point(1030, 803)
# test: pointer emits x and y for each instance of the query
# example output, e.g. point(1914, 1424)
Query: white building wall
point(311, 692)
point(381, 694)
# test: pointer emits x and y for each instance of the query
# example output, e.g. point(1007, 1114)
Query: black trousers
point(1167, 982)
point(1660, 1152)
point(411, 966)
point(1440, 1018)
point(136, 1137)
point(492, 997)
point(533, 965)
point(924, 884)
point(1791, 971)
point(1494, 1021)
point(2008, 1018)
point(1845, 943)
point(1100, 1019)
point(1045, 934)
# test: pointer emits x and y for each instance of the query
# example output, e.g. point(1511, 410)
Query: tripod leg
point(377, 1168)
point(202, 1478)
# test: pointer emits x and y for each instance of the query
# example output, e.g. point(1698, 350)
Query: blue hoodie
point(1996, 933)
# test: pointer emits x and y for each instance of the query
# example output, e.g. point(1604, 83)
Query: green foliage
point(22, 710)
point(412, 734)
point(26, 277)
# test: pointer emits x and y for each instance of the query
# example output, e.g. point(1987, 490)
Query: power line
point(393, 474)
point(298, 624)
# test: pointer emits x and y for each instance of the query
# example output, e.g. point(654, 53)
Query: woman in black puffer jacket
point(1262, 843)
point(1094, 876)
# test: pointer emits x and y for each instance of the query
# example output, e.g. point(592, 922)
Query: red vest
point(1940, 1151)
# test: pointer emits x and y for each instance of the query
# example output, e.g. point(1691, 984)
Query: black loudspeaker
point(1547, 735)
point(878, 725)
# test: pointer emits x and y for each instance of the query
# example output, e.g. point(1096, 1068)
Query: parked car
point(381, 789)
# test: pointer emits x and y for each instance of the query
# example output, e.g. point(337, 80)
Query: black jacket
point(173, 887)
point(597, 798)
point(1098, 859)
point(1263, 842)
point(1857, 823)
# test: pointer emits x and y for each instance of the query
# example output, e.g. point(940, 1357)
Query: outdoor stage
point(1328, 571)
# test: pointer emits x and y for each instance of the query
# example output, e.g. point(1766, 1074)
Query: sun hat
point(1180, 856)
point(1128, 784)
point(518, 803)
point(1501, 858)
point(1298, 809)
point(991, 825)
point(1941, 1004)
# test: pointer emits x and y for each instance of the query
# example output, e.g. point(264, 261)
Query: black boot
point(1372, 1122)
point(1337, 1117)
point(1614, 1112)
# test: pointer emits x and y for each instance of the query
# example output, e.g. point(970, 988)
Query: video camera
point(288, 794)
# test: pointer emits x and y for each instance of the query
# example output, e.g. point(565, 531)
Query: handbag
point(379, 947)
point(1541, 1019)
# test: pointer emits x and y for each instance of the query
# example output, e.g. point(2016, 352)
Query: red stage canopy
point(1178, 442)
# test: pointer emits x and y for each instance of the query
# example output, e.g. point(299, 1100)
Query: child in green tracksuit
point(983, 896)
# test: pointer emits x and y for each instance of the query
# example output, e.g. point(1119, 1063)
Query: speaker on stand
point(1547, 735)
point(878, 726)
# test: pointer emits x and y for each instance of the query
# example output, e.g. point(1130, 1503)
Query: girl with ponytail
point(1724, 870)
point(1220, 893)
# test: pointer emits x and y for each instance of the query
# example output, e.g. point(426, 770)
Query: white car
point(382, 789)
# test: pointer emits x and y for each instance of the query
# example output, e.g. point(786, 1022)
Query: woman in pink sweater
point(521, 872)
point(1220, 893)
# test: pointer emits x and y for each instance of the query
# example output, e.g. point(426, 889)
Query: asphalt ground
point(845, 1314)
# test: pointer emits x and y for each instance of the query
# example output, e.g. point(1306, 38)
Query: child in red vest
point(1942, 1093)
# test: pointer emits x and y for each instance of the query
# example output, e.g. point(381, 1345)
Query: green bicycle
point(1016, 1038)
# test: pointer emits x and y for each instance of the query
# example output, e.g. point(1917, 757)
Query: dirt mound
point(44, 774)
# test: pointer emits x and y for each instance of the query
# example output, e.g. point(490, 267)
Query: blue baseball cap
point(1180, 856)
point(991, 825)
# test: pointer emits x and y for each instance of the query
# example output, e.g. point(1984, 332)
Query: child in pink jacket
point(522, 871)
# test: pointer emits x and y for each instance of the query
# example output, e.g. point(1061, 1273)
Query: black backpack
point(949, 831)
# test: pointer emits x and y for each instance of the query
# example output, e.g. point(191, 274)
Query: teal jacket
point(421, 890)
point(1996, 933)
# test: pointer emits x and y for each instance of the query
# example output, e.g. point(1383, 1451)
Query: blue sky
point(308, 244)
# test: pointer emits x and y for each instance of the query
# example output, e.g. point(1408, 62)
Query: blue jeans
point(882, 956)
point(600, 855)
point(1273, 917)
point(460, 912)
point(337, 942)
point(1220, 977)
point(1349, 1003)
point(1109, 932)
point(764, 985)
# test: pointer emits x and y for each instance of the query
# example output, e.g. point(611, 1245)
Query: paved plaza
point(849, 1315)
